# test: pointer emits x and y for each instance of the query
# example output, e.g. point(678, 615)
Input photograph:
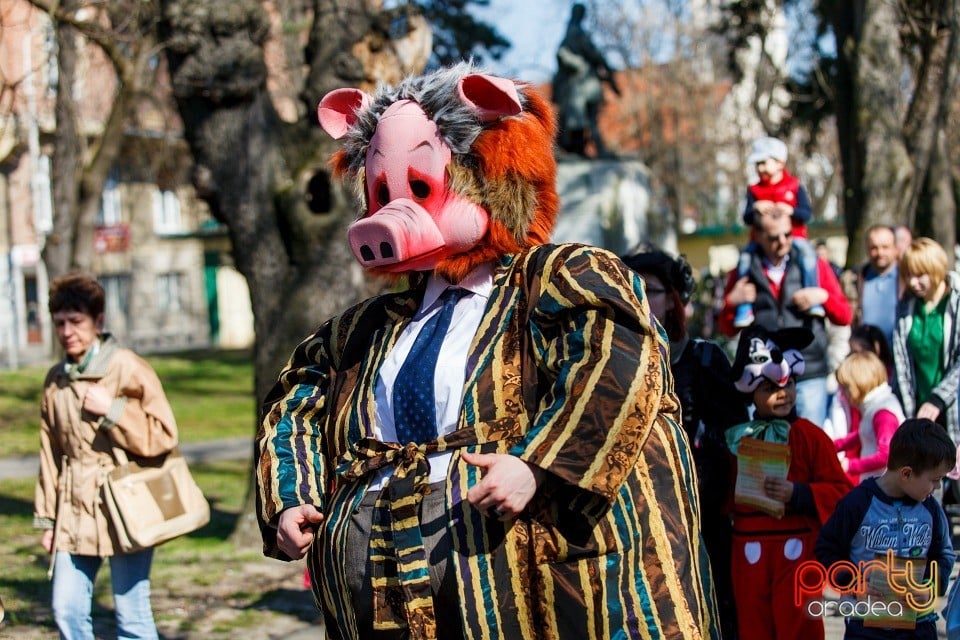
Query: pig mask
point(414, 219)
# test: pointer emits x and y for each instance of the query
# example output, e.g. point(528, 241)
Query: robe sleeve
point(290, 468)
point(600, 355)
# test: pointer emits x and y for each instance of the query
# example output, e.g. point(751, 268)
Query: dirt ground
point(255, 600)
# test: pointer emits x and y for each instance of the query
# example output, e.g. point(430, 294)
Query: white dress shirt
point(450, 374)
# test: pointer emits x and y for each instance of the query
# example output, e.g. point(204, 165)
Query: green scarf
point(775, 430)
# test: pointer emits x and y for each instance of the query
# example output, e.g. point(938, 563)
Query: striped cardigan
point(944, 395)
point(569, 372)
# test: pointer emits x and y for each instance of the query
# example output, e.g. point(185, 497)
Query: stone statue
point(577, 90)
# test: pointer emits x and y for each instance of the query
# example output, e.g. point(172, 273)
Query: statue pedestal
point(609, 203)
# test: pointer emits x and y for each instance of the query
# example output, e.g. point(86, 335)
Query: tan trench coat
point(75, 445)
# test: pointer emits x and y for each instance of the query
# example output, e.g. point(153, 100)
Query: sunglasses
point(774, 237)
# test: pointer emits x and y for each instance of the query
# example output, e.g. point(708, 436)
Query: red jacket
point(788, 191)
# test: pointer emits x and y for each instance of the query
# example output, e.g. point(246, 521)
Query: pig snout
point(395, 234)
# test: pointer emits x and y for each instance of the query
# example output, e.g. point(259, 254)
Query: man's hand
point(46, 540)
point(778, 488)
point(507, 486)
point(929, 411)
point(297, 529)
point(97, 400)
point(743, 291)
point(809, 297)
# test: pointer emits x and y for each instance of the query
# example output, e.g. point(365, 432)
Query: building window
point(166, 212)
point(51, 69)
point(32, 298)
point(110, 213)
point(117, 303)
point(169, 292)
point(42, 196)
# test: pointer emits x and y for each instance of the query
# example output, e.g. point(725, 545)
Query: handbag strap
point(122, 459)
point(119, 455)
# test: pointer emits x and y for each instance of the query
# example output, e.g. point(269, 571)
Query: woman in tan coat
point(101, 395)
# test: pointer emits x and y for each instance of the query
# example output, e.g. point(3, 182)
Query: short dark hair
point(873, 336)
point(892, 228)
point(921, 444)
point(76, 292)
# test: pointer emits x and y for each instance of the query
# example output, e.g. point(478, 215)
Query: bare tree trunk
point(846, 21)
point(268, 179)
point(943, 205)
point(67, 160)
point(935, 64)
point(888, 148)
point(888, 171)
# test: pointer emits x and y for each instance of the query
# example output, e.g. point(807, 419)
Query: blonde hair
point(924, 257)
point(861, 373)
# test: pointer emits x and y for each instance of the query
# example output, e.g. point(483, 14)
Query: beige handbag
point(152, 503)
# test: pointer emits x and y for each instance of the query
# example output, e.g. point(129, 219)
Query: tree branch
point(107, 40)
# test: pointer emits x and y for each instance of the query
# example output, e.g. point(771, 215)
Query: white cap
point(765, 148)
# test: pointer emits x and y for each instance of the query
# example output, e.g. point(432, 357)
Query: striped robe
point(568, 371)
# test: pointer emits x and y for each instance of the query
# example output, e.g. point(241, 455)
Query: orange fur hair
point(515, 181)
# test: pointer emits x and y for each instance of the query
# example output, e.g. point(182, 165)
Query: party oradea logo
point(888, 591)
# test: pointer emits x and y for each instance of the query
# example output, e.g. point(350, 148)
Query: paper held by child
point(756, 460)
point(898, 585)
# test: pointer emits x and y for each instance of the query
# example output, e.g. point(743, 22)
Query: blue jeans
point(812, 400)
point(73, 577)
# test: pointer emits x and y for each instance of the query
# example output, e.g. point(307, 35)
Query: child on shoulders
point(776, 193)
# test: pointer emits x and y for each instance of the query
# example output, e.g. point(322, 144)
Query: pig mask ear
point(492, 97)
point(339, 109)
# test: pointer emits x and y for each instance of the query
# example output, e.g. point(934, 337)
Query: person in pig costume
point(551, 492)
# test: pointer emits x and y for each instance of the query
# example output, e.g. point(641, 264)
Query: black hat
point(674, 273)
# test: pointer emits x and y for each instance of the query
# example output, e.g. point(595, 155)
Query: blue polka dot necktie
point(414, 407)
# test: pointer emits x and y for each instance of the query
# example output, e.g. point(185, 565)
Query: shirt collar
point(871, 272)
point(478, 282)
point(74, 369)
point(769, 266)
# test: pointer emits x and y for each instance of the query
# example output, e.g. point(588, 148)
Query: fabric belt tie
point(399, 565)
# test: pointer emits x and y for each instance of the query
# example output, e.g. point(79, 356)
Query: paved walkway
point(14, 467)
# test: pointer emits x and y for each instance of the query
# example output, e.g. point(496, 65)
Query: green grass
point(211, 393)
